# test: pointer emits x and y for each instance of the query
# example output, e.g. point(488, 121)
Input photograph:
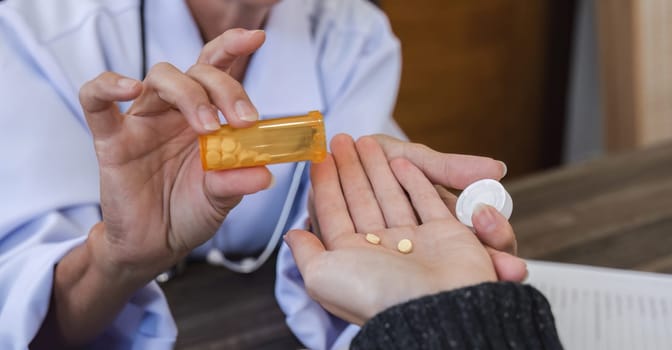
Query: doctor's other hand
point(355, 279)
point(157, 202)
point(457, 171)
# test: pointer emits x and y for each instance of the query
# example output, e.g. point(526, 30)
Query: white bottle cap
point(486, 191)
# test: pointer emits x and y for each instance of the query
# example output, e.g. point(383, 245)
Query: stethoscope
point(215, 256)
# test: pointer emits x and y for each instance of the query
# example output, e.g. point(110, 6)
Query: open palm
point(358, 194)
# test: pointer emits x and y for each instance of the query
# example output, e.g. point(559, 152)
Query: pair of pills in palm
point(485, 191)
point(405, 245)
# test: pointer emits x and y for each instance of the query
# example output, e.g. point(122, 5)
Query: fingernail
point(208, 117)
point(246, 111)
point(272, 183)
point(505, 169)
point(126, 83)
point(484, 218)
point(252, 32)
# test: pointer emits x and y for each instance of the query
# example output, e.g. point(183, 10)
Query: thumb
point(224, 188)
point(305, 247)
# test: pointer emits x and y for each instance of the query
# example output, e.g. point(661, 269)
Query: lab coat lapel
point(282, 77)
point(45, 62)
point(172, 34)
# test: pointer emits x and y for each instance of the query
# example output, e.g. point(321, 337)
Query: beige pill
point(373, 239)
point(228, 145)
point(246, 156)
point(405, 246)
point(228, 160)
point(262, 158)
point(212, 157)
point(213, 143)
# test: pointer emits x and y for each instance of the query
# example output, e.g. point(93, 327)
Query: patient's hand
point(445, 170)
point(357, 191)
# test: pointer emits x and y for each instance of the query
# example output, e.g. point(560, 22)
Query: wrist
point(89, 289)
point(107, 261)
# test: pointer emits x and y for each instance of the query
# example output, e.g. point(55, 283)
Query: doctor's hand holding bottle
point(157, 203)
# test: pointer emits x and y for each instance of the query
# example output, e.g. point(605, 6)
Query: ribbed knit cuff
point(496, 315)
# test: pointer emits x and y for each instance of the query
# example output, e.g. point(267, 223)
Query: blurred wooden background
point(636, 67)
point(485, 77)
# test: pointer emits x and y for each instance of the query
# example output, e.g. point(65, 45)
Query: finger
point(391, 198)
point(508, 267)
point(362, 204)
point(447, 197)
point(305, 248)
point(450, 170)
point(330, 207)
point(223, 50)
point(424, 197)
point(227, 94)
point(98, 98)
point(221, 185)
point(166, 86)
point(312, 223)
point(493, 229)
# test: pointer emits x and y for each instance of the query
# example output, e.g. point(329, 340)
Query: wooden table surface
point(615, 212)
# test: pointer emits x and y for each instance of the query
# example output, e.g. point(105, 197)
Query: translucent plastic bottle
point(281, 140)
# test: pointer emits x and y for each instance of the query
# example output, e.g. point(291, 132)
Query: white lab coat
point(337, 56)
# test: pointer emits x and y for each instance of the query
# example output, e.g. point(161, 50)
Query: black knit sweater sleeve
point(497, 315)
